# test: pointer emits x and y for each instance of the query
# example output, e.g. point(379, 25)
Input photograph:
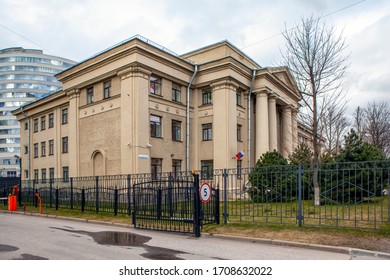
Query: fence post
point(217, 206)
point(20, 190)
point(196, 206)
point(300, 215)
point(57, 198)
point(97, 194)
point(170, 194)
point(225, 192)
point(134, 208)
point(128, 195)
point(388, 204)
point(115, 202)
point(159, 203)
point(71, 193)
point(51, 192)
point(82, 200)
point(36, 198)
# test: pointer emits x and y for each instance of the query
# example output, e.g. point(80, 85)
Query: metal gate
point(173, 205)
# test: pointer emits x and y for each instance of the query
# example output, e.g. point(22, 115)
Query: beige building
point(139, 108)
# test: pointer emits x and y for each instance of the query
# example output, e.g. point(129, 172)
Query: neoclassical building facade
point(139, 108)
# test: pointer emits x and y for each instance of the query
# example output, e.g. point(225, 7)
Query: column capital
point(264, 90)
point(261, 94)
point(73, 93)
point(224, 84)
point(134, 70)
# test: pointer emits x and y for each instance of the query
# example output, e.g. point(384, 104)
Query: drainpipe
point(188, 120)
point(249, 117)
point(28, 146)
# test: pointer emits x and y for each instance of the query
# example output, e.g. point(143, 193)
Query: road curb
point(335, 249)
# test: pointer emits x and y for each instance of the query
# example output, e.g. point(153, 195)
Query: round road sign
point(205, 192)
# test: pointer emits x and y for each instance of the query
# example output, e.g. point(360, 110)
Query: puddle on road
point(30, 257)
point(117, 238)
point(7, 248)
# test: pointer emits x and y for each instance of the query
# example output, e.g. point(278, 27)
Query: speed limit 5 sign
point(205, 192)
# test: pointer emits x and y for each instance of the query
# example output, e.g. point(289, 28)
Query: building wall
point(112, 134)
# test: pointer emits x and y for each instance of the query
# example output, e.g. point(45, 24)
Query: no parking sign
point(205, 192)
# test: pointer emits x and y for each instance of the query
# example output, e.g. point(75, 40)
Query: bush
point(273, 179)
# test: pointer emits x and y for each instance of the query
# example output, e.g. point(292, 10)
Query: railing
point(351, 194)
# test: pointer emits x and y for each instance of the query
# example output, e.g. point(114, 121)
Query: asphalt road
point(26, 237)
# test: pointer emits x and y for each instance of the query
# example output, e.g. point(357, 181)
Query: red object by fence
point(12, 203)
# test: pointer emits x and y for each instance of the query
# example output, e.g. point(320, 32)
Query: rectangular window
point(65, 173)
point(207, 132)
point(36, 125)
point(176, 167)
point(64, 145)
point(25, 149)
point(155, 126)
point(90, 95)
point(156, 167)
point(239, 98)
point(51, 173)
point(207, 169)
point(206, 96)
point(239, 132)
point(176, 130)
point(11, 173)
point(25, 125)
point(36, 174)
point(36, 150)
point(43, 149)
point(51, 147)
point(43, 123)
point(26, 174)
point(107, 89)
point(155, 85)
point(64, 116)
point(43, 175)
point(51, 120)
point(176, 93)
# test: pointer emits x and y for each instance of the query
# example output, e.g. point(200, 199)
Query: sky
point(78, 29)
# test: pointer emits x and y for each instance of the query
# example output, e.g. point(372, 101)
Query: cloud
point(77, 29)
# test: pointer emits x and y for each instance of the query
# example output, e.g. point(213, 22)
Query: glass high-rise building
point(25, 76)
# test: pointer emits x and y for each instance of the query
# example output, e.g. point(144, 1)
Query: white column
point(294, 123)
point(262, 130)
point(287, 131)
point(273, 132)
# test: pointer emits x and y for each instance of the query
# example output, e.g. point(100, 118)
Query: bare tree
point(373, 125)
point(333, 127)
point(316, 58)
point(358, 118)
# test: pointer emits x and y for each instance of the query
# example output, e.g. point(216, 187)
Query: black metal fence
point(350, 194)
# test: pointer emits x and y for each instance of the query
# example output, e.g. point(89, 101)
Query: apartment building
point(139, 108)
point(25, 76)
